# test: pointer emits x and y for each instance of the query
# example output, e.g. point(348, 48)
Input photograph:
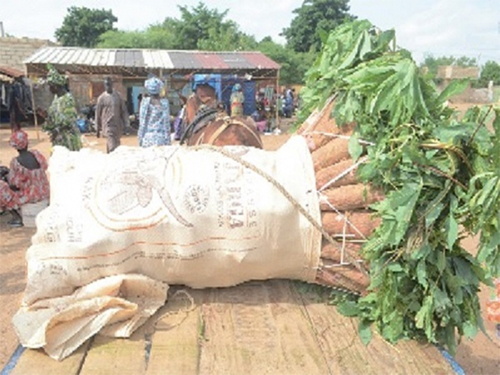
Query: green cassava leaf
point(440, 174)
point(348, 308)
point(457, 86)
point(355, 148)
point(365, 332)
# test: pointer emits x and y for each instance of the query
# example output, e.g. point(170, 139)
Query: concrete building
point(13, 51)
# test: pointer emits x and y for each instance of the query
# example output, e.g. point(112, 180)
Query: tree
point(304, 32)
point(82, 26)
point(155, 36)
point(206, 29)
point(227, 38)
point(198, 28)
point(198, 24)
point(490, 72)
point(293, 64)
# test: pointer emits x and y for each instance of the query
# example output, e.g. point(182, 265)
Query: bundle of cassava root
point(344, 202)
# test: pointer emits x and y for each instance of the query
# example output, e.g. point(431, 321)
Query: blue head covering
point(236, 87)
point(153, 85)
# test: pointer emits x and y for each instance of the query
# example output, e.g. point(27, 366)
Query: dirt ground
point(480, 356)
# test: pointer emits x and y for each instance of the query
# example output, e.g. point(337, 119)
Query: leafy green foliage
point(293, 64)
point(198, 24)
point(441, 178)
point(82, 26)
point(199, 28)
point(314, 18)
point(153, 37)
point(207, 29)
point(489, 72)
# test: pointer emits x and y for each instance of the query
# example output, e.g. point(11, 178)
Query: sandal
point(15, 223)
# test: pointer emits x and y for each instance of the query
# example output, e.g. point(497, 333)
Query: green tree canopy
point(155, 36)
point(82, 26)
point(208, 29)
point(199, 23)
point(304, 33)
point(293, 64)
point(198, 28)
point(490, 72)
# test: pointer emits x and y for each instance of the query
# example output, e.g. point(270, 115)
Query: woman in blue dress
point(154, 116)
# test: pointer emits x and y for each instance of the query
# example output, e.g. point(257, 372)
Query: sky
point(425, 27)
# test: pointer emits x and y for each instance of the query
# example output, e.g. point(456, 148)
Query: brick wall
point(14, 50)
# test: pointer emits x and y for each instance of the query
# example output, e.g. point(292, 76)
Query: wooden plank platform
point(254, 328)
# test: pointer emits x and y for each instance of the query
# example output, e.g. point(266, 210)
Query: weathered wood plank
point(174, 344)
point(346, 354)
point(37, 362)
point(109, 355)
point(257, 328)
point(300, 348)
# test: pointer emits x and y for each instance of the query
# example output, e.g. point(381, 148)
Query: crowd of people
point(111, 115)
point(25, 180)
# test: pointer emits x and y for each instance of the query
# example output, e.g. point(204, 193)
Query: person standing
point(154, 116)
point(111, 116)
point(237, 99)
point(62, 114)
point(289, 102)
point(15, 104)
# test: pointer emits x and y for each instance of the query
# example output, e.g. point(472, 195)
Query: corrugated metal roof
point(238, 60)
point(137, 61)
point(11, 72)
point(258, 59)
point(182, 60)
point(211, 60)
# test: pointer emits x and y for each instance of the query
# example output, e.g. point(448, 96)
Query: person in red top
point(26, 181)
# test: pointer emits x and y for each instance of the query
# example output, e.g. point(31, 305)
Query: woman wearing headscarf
point(26, 181)
point(62, 114)
point(237, 100)
point(154, 116)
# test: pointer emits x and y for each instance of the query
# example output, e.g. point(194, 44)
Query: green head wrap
point(54, 77)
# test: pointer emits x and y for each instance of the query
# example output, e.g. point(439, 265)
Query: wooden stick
point(347, 278)
point(325, 175)
point(35, 117)
point(334, 252)
point(318, 116)
point(349, 197)
point(360, 225)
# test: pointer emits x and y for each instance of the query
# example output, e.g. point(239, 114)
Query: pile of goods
point(430, 179)
point(346, 218)
point(400, 181)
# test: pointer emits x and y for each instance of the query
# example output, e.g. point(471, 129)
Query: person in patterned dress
point(62, 114)
point(154, 116)
point(26, 181)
